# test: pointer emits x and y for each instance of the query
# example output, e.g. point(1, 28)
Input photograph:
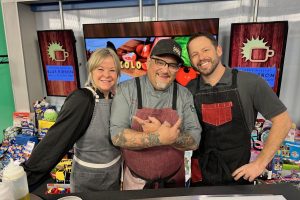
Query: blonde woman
point(83, 121)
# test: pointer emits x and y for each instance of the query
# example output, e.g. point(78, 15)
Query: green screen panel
point(6, 95)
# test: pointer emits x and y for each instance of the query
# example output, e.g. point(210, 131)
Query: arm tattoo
point(131, 142)
point(185, 142)
point(119, 140)
point(151, 139)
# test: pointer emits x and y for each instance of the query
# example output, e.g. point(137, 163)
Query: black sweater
point(72, 122)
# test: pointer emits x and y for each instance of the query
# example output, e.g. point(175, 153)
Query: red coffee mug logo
point(261, 54)
point(56, 52)
point(256, 50)
point(60, 55)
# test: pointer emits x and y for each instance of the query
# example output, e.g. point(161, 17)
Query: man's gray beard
point(161, 86)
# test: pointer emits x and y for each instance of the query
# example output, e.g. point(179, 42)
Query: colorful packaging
point(55, 188)
point(18, 117)
point(43, 128)
point(290, 150)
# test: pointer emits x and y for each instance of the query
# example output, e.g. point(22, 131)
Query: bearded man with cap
point(153, 121)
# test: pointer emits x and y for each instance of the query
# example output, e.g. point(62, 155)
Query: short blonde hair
point(97, 58)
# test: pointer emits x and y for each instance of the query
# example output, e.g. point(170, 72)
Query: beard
point(161, 86)
point(211, 69)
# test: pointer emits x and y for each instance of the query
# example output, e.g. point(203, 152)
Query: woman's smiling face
point(105, 75)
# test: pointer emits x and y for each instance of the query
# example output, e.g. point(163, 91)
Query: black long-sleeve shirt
point(72, 122)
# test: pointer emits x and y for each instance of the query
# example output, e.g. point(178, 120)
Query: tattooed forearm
point(119, 140)
point(136, 140)
point(152, 139)
point(185, 142)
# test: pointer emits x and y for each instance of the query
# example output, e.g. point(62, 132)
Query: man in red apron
point(154, 121)
point(227, 103)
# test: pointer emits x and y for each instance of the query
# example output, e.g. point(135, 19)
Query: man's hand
point(281, 125)
point(249, 171)
point(149, 125)
point(167, 133)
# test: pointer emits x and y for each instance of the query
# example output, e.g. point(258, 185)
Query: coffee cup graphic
point(261, 54)
point(60, 55)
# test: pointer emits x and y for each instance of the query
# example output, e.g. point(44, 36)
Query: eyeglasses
point(161, 63)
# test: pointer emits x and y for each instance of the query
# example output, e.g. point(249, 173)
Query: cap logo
point(176, 50)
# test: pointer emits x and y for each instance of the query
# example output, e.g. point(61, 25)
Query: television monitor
point(133, 41)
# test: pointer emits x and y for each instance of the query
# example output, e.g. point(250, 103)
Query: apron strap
point(198, 84)
point(159, 182)
point(95, 165)
point(174, 96)
point(139, 92)
point(94, 93)
point(234, 78)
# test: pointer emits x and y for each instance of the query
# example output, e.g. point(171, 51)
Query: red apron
point(160, 167)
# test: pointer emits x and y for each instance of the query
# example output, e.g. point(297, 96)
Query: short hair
point(97, 58)
point(207, 35)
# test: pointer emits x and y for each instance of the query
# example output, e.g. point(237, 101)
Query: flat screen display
point(133, 42)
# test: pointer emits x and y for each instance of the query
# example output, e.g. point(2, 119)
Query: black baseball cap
point(167, 47)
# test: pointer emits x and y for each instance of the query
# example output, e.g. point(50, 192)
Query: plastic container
point(5, 192)
point(15, 176)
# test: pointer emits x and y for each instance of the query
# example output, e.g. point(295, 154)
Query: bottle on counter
point(15, 176)
point(5, 192)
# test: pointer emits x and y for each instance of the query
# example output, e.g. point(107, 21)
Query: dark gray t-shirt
point(256, 95)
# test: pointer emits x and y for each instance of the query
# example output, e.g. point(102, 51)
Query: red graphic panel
point(59, 59)
point(259, 48)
